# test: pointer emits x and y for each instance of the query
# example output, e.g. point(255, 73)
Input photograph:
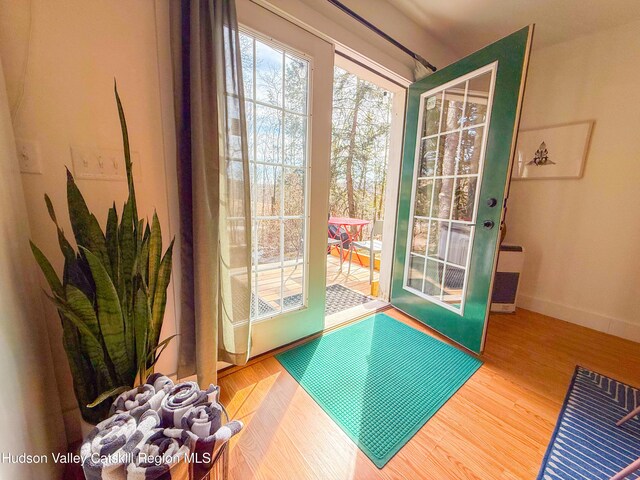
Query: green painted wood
point(511, 54)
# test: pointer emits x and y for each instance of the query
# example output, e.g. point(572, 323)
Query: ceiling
point(467, 25)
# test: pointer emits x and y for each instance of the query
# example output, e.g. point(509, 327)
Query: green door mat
point(379, 379)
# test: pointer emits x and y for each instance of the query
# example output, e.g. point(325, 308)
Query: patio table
point(353, 228)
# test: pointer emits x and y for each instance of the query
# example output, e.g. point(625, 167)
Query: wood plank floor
point(497, 426)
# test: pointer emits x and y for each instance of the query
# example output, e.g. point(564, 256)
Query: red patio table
point(354, 231)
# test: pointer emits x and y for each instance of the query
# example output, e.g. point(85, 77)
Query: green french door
point(458, 149)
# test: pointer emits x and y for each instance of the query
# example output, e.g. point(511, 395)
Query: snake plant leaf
point(127, 154)
point(78, 303)
point(142, 316)
point(65, 246)
point(81, 372)
point(127, 244)
point(110, 316)
point(52, 212)
point(77, 273)
point(90, 344)
point(82, 307)
point(154, 354)
point(47, 269)
point(107, 395)
point(112, 243)
point(139, 234)
point(142, 265)
point(160, 295)
point(85, 225)
point(155, 252)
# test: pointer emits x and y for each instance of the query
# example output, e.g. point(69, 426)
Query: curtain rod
point(389, 39)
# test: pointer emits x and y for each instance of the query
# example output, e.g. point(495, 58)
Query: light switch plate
point(29, 156)
point(100, 163)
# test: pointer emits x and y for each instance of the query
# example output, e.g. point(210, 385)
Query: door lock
point(488, 224)
point(492, 202)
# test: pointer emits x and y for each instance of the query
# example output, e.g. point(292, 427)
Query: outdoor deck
point(357, 280)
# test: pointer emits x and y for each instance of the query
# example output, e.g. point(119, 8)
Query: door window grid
point(443, 296)
point(264, 274)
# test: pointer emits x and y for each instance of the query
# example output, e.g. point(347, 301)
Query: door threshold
point(332, 322)
point(354, 313)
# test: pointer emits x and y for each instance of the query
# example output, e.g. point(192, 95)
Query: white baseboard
point(595, 321)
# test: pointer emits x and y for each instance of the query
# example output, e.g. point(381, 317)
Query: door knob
point(488, 224)
point(492, 202)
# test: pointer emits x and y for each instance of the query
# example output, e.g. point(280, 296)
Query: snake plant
point(112, 294)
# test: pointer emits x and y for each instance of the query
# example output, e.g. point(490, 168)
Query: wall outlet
point(100, 163)
point(29, 156)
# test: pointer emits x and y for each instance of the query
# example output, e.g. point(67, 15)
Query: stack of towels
point(158, 431)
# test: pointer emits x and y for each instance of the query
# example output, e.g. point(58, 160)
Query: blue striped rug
point(586, 443)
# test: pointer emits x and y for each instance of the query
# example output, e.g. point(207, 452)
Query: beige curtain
point(213, 181)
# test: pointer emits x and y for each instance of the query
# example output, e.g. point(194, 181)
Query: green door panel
point(511, 57)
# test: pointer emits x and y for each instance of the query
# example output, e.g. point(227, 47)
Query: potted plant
point(112, 295)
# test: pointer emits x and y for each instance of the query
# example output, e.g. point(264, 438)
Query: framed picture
point(557, 151)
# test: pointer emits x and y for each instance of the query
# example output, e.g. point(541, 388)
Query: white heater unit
point(507, 279)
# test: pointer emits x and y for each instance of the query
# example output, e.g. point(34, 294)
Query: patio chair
point(372, 245)
point(337, 243)
point(625, 472)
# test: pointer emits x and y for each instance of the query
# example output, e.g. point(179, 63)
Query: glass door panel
point(451, 148)
point(277, 92)
point(287, 74)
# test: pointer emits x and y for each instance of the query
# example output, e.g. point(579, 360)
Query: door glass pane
point(277, 86)
point(294, 189)
point(448, 153)
point(433, 106)
point(295, 81)
point(452, 108)
point(465, 197)
point(295, 134)
point(477, 99)
point(433, 273)
point(419, 242)
point(438, 234)
point(458, 244)
point(450, 157)
point(423, 197)
point(442, 198)
point(269, 62)
point(470, 150)
point(428, 157)
point(293, 287)
point(415, 272)
point(268, 134)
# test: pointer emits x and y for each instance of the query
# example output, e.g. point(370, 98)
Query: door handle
point(488, 224)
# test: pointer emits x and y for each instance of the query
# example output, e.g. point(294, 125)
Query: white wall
point(75, 49)
point(30, 419)
point(583, 236)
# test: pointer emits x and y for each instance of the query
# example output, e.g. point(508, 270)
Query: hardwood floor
point(497, 426)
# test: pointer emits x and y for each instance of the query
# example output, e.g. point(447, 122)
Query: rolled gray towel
point(138, 400)
point(203, 420)
point(108, 448)
point(203, 423)
point(181, 398)
point(159, 382)
point(162, 454)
